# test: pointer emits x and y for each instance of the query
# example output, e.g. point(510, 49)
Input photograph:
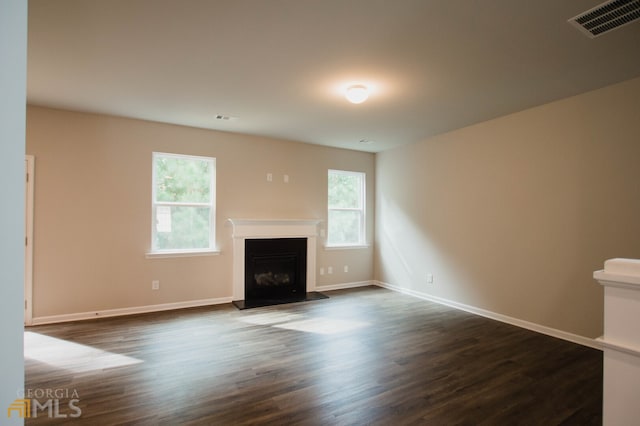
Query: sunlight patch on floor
point(270, 318)
point(71, 356)
point(323, 325)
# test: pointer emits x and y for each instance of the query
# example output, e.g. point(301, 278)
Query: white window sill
point(349, 247)
point(181, 253)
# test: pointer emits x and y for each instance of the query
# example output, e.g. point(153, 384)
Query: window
point(346, 208)
point(183, 203)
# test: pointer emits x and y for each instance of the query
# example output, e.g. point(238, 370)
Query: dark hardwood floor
point(364, 356)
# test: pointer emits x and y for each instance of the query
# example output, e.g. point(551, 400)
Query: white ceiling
point(279, 65)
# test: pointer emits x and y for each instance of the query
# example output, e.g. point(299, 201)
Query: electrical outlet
point(155, 285)
point(346, 268)
point(286, 178)
point(321, 271)
point(330, 270)
point(429, 278)
point(269, 177)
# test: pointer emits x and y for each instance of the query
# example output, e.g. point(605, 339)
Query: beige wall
point(93, 208)
point(513, 215)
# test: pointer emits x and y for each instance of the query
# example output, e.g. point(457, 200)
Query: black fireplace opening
point(275, 272)
point(275, 268)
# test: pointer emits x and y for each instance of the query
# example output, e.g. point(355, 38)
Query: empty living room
point(338, 212)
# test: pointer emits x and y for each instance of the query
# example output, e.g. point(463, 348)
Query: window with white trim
point(346, 216)
point(183, 197)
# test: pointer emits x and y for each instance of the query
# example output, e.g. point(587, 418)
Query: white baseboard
point(574, 338)
point(128, 311)
point(345, 285)
point(81, 316)
point(581, 340)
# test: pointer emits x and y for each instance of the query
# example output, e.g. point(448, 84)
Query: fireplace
point(275, 268)
point(288, 272)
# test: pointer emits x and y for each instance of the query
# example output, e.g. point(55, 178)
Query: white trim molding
point(574, 338)
point(353, 247)
point(28, 249)
point(619, 346)
point(182, 253)
point(344, 285)
point(81, 316)
point(272, 228)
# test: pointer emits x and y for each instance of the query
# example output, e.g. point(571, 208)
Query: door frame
point(28, 242)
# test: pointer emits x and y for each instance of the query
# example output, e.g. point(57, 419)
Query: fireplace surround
point(245, 230)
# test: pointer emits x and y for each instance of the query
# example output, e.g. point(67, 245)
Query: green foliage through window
point(183, 202)
point(346, 208)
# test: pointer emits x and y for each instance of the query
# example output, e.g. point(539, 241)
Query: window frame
point(362, 210)
point(211, 249)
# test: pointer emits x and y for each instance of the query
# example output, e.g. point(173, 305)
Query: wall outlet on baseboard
point(429, 278)
point(155, 285)
point(346, 268)
point(330, 270)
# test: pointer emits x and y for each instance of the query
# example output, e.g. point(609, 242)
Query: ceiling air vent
point(225, 117)
point(607, 17)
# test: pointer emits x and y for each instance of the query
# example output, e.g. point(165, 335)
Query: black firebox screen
point(275, 268)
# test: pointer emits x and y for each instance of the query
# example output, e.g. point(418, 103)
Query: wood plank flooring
point(364, 356)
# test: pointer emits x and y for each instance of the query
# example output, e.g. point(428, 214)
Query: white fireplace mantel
point(272, 228)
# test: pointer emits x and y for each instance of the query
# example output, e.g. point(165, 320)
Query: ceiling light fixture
point(357, 93)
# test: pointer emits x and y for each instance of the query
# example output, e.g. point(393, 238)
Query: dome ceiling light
point(357, 93)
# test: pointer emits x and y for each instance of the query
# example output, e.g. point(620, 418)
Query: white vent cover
point(607, 17)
